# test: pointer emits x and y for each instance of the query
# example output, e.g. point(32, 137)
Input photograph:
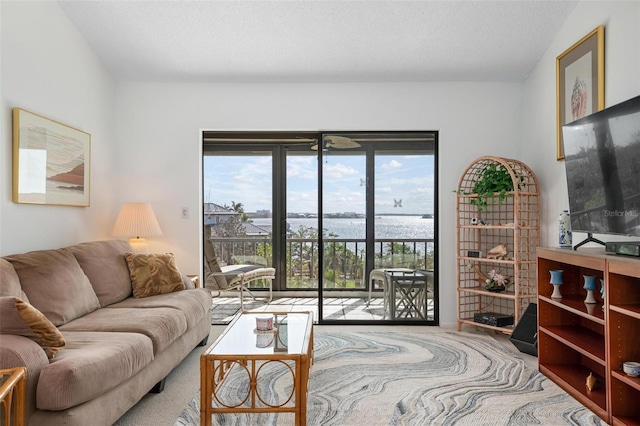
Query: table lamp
point(137, 220)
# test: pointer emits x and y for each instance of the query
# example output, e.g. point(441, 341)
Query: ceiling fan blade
point(340, 142)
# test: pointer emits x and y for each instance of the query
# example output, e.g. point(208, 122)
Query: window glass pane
point(237, 207)
point(302, 220)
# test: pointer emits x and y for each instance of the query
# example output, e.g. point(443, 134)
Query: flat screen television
point(602, 161)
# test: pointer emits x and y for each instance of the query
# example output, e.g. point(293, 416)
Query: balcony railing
point(344, 259)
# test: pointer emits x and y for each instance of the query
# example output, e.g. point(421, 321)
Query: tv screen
point(602, 161)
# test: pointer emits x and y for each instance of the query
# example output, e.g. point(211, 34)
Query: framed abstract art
point(51, 161)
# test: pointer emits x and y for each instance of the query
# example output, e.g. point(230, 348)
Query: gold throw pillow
point(18, 317)
point(153, 274)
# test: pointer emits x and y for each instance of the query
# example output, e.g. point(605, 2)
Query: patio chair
point(234, 277)
point(380, 275)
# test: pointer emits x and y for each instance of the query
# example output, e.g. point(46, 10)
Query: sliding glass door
point(379, 227)
point(237, 206)
point(404, 228)
point(301, 229)
point(333, 212)
point(344, 233)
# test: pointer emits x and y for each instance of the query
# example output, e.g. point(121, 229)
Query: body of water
point(401, 227)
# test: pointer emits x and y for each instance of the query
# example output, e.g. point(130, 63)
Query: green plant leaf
point(493, 184)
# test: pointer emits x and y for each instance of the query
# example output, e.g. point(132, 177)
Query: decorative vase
point(564, 233)
point(589, 285)
point(496, 289)
point(556, 281)
point(591, 308)
point(591, 382)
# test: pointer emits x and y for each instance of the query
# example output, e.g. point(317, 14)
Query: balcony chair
point(380, 276)
point(234, 277)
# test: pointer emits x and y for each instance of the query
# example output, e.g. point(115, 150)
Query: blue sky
point(247, 179)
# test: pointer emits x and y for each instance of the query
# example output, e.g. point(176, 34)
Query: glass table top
point(242, 338)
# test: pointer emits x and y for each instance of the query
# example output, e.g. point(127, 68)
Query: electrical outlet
point(185, 212)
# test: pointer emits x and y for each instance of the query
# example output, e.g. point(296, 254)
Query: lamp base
point(139, 245)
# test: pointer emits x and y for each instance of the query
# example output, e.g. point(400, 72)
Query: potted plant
point(493, 184)
point(496, 282)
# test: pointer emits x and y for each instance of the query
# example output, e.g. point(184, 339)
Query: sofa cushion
point(161, 325)
point(103, 263)
point(55, 284)
point(20, 318)
point(153, 274)
point(10, 282)
point(91, 364)
point(194, 304)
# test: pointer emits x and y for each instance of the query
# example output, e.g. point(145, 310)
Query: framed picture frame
point(51, 161)
point(579, 82)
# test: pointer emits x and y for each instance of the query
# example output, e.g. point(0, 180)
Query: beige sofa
point(92, 350)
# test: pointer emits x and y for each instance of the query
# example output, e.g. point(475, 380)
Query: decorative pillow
point(20, 318)
point(153, 274)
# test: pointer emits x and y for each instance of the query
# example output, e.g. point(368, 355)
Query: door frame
point(277, 143)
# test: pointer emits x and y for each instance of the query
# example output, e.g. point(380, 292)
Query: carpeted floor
point(407, 377)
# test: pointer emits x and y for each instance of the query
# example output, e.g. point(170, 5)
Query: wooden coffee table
point(237, 348)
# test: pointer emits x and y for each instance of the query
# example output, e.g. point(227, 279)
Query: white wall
point(48, 69)
point(154, 153)
point(159, 144)
point(622, 81)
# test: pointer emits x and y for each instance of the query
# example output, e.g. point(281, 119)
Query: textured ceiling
point(319, 41)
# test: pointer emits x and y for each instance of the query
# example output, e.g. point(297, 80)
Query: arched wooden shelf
point(514, 223)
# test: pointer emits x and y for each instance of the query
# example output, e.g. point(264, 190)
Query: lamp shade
point(136, 220)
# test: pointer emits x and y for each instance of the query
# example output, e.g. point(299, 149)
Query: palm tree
point(239, 208)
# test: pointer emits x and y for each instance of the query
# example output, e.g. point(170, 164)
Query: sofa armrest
point(20, 351)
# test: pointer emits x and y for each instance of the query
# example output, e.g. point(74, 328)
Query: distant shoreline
point(405, 226)
point(341, 215)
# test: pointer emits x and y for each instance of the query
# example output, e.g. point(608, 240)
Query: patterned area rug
point(417, 378)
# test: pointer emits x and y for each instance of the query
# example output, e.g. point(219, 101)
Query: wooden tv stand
point(576, 339)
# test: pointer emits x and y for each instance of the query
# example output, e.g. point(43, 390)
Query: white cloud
point(302, 167)
point(339, 171)
point(393, 164)
point(248, 179)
